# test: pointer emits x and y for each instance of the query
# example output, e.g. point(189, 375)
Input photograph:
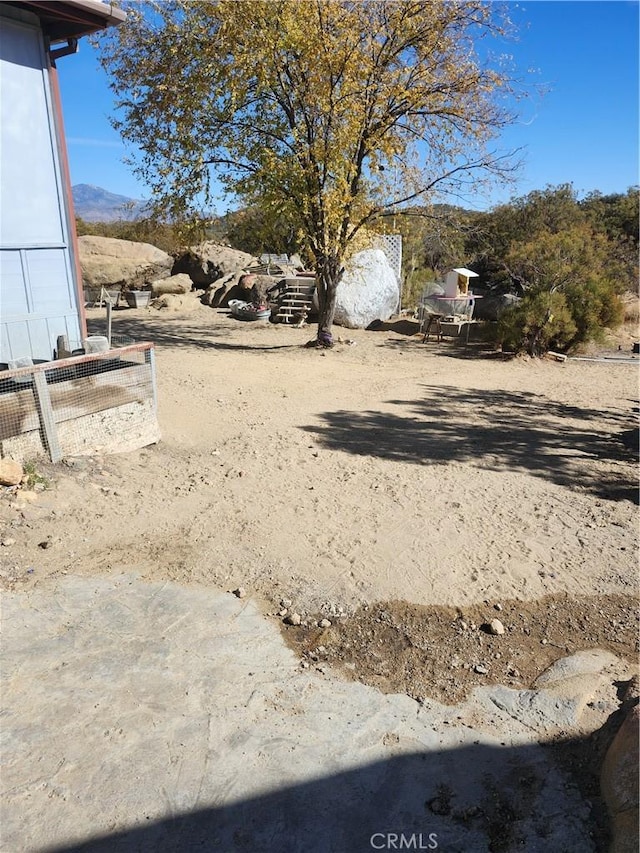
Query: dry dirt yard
point(385, 470)
point(405, 493)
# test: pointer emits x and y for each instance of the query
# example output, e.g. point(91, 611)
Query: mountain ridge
point(95, 204)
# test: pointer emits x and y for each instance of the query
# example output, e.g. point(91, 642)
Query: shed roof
point(464, 271)
point(64, 19)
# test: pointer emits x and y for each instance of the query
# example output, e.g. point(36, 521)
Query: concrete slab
point(154, 717)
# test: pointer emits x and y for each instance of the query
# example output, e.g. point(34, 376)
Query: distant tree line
point(167, 237)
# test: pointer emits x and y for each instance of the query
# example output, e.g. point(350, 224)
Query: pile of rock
point(369, 289)
point(111, 263)
point(209, 262)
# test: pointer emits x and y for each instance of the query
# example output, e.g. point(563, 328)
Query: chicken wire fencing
point(101, 400)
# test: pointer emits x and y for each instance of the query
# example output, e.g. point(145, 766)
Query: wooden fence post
point(45, 411)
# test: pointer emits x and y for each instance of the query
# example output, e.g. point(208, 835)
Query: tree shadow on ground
point(471, 799)
point(404, 326)
point(496, 430)
point(173, 332)
point(449, 348)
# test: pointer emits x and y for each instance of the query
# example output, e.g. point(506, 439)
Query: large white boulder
point(108, 262)
point(369, 290)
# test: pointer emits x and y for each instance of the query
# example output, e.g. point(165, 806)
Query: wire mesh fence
point(101, 400)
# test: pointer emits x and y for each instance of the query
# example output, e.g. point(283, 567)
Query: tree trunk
point(328, 274)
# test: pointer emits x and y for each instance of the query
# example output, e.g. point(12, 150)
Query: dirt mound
point(442, 653)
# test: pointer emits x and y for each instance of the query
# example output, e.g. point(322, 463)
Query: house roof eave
point(65, 19)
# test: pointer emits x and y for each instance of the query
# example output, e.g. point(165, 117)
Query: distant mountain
point(93, 204)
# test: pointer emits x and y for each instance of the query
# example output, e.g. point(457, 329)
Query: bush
point(541, 321)
point(560, 320)
point(594, 307)
point(413, 286)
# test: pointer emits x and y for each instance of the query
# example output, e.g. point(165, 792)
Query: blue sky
point(584, 130)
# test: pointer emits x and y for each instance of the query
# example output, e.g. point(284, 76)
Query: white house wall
point(38, 298)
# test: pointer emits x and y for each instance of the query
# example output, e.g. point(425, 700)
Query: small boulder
point(217, 290)
point(180, 283)
point(176, 302)
point(588, 662)
point(248, 288)
point(619, 783)
point(491, 306)
point(11, 472)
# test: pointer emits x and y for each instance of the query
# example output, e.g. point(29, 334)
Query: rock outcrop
point(210, 261)
point(238, 285)
point(111, 263)
point(491, 306)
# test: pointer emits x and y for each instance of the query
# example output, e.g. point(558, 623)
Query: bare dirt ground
point(405, 493)
point(443, 652)
point(384, 476)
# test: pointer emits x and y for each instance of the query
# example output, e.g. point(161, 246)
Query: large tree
point(325, 113)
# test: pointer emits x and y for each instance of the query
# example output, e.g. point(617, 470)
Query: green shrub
point(32, 476)
point(540, 322)
point(594, 307)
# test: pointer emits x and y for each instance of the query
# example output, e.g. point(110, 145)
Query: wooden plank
point(150, 360)
point(43, 402)
point(122, 428)
point(120, 352)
